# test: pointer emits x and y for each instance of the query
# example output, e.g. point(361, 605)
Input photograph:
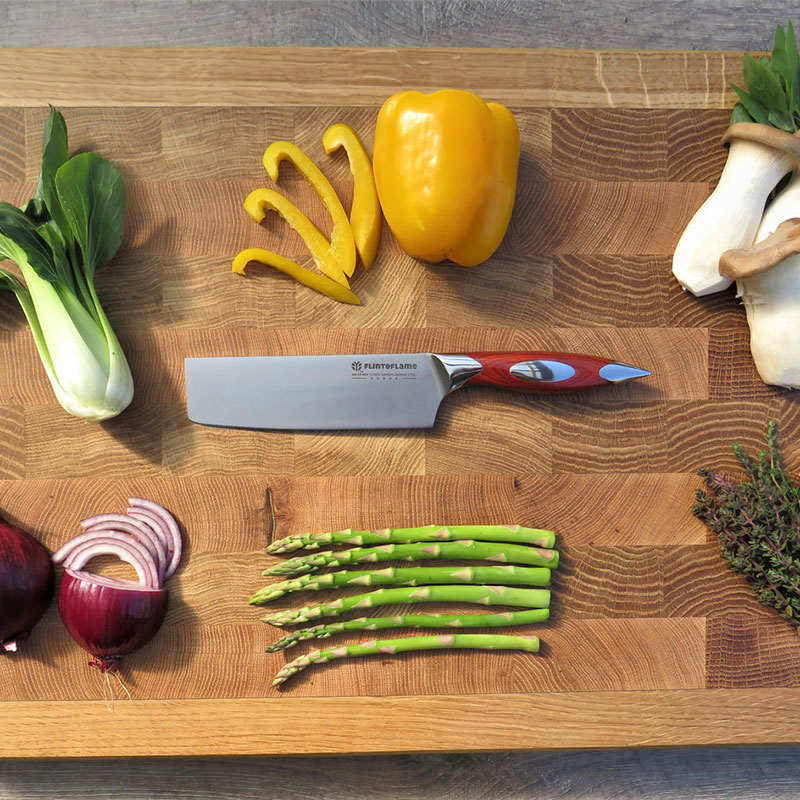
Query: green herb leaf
point(773, 85)
point(781, 120)
point(92, 196)
point(757, 110)
point(785, 65)
point(779, 60)
point(739, 114)
point(764, 84)
point(792, 70)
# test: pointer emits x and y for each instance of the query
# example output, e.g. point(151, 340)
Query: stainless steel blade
point(349, 392)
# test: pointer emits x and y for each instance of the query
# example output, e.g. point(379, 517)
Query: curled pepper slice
point(259, 201)
point(313, 280)
point(342, 245)
point(365, 212)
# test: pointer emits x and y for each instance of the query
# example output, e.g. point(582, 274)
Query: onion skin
point(109, 622)
point(27, 580)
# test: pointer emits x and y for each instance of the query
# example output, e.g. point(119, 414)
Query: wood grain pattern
point(393, 23)
point(618, 151)
point(508, 722)
point(316, 76)
point(710, 773)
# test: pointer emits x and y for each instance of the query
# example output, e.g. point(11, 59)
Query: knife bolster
point(458, 369)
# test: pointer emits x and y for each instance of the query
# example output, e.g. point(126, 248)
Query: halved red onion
point(138, 504)
point(109, 621)
point(138, 528)
point(109, 617)
point(118, 544)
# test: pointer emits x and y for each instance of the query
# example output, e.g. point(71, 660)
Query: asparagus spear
point(427, 533)
point(505, 619)
point(485, 595)
point(504, 575)
point(418, 551)
point(480, 641)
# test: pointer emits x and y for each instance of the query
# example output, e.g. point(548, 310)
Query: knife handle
point(539, 373)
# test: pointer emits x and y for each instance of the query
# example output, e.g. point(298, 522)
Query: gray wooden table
point(747, 773)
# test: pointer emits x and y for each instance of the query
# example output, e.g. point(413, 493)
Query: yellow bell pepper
point(365, 212)
point(445, 168)
point(342, 245)
point(313, 280)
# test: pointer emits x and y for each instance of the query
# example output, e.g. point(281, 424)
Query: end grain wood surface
point(519, 774)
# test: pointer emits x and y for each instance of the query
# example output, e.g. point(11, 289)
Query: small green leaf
point(754, 107)
point(739, 114)
point(779, 62)
point(793, 67)
point(51, 233)
point(92, 196)
point(20, 242)
point(763, 84)
point(781, 120)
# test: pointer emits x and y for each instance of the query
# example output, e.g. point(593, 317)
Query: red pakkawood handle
point(540, 373)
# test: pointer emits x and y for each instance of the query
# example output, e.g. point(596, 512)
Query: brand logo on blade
point(384, 370)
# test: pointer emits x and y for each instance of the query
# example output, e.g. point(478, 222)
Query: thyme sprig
point(758, 522)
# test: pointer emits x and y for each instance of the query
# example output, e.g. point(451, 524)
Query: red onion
point(111, 617)
point(109, 621)
point(26, 584)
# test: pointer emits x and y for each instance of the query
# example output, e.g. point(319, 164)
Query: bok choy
point(71, 227)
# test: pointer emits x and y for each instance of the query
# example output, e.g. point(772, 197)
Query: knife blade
point(373, 391)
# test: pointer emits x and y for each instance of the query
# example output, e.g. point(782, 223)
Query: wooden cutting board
point(653, 641)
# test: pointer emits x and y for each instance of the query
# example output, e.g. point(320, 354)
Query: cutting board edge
point(336, 76)
point(409, 724)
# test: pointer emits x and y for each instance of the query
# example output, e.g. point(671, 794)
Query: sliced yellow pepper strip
point(259, 201)
point(313, 280)
point(342, 245)
point(365, 212)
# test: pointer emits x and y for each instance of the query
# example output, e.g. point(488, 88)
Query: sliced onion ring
point(121, 545)
point(63, 552)
point(137, 504)
point(150, 538)
point(106, 580)
point(114, 583)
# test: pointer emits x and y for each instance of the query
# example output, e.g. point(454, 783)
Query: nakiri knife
point(369, 391)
